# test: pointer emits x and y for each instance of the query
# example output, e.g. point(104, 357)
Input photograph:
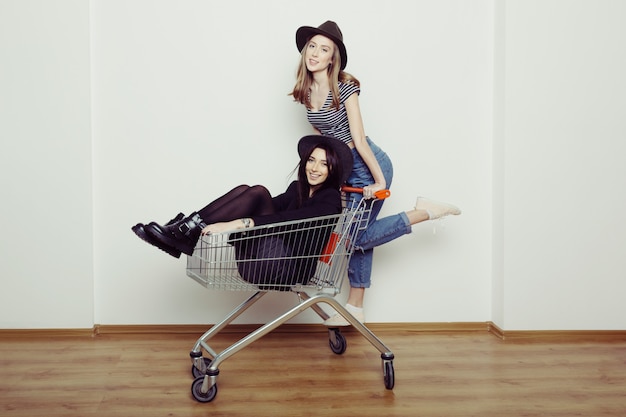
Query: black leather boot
point(181, 235)
point(140, 231)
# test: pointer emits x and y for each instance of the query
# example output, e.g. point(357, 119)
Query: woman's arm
point(227, 226)
point(324, 202)
point(360, 143)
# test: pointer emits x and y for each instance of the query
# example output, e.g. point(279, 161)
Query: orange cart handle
point(381, 195)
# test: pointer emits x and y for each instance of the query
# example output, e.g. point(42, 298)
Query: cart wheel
point(196, 391)
point(388, 374)
point(340, 344)
point(195, 372)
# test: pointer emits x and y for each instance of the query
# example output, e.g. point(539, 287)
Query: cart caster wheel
point(198, 395)
point(339, 344)
point(388, 374)
point(195, 372)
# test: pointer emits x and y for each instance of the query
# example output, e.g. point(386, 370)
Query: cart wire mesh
point(312, 252)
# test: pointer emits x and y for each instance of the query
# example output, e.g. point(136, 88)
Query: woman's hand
point(220, 227)
point(226, 226)
point(370, 190)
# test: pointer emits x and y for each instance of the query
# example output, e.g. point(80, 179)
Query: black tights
point(241, 201)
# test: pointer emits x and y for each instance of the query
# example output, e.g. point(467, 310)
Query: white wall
point(564, 137)
point(46, 271)
point(189, 98)
point(189, 101)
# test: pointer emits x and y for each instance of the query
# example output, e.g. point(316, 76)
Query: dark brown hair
point(335, 171)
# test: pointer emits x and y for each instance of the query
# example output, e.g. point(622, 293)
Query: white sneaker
point(436, 209)
point(338, 320)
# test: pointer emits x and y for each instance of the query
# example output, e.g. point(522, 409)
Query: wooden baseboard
point(44, 333)
point(555, 336)
point(113, 329)
point(289, 328)
point(378, 328)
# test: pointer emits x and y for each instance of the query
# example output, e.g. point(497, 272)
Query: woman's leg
point(242, 201)
point(360, 266)
point(380, 231)
point(392, 227)
point(182, 236)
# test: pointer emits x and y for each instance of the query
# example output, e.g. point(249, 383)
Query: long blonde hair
point(304, 79)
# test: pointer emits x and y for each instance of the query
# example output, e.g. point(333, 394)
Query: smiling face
point(319, 53)
point(316, 168)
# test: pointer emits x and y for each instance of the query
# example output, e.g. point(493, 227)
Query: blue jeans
point(378, 231)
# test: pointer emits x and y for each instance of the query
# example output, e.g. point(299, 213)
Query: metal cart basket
point(307, 257)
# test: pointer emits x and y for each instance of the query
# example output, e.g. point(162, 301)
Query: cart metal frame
point(215, 264)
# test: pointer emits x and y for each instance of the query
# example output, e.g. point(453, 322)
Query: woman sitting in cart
point(324, 166)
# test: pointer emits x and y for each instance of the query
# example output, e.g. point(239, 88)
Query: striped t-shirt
point(330, 121)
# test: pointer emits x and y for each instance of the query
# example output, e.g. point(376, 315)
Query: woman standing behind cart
point(330, 96)
point(324, 166)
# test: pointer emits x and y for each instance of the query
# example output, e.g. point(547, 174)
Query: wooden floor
point(296, 374)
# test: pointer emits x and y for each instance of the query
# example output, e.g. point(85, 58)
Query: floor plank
point(458, 374)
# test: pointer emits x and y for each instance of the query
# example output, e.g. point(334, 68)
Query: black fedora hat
point(328, 29)
point(344, 153)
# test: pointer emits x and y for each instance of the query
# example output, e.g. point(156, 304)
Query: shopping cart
point(307, 257)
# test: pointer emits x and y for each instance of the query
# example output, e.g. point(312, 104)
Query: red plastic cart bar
point(381, 195)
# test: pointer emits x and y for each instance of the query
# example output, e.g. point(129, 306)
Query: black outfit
point(266, 257)
point(324, 202)
point(256, 254)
